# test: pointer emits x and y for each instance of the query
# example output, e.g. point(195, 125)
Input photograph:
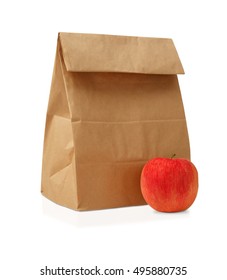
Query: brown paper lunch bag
point(114, 103)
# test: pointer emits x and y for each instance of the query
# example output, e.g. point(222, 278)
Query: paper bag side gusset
point(58, 169)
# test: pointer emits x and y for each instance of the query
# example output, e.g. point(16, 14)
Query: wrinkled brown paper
point(115, 103)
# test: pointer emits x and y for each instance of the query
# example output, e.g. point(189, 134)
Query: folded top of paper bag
point(111, 53)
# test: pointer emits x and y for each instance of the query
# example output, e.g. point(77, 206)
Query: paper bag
point(115, 103)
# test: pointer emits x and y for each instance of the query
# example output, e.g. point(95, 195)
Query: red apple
point(169, 184)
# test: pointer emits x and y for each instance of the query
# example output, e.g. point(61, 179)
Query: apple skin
point(169, 184)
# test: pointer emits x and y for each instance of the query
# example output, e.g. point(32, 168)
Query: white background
point(35, 232)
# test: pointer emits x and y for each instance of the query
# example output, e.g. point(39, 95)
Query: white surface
point(36, 232)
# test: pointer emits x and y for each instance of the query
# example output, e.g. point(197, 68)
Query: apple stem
point(173, 156)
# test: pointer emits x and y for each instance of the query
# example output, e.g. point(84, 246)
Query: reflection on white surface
point(108, 217)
